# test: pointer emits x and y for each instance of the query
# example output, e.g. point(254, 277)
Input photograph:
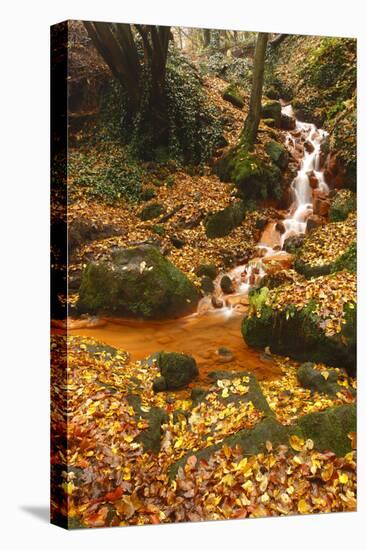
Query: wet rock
point(313, 222)
point(226, 285)
point(138, 282)
point(293, 243)
point(207, 285)
point(217, 303)
point(321, 207)
point(334, 171)
point(278, 262)
point(308, 146)
point(287, 122)
point(233, 301)
point(152, 211)
point(177, 369)
point(225, 355)
point(320, 381)
point(313, 180)
point(208, 270)
point(280, 227)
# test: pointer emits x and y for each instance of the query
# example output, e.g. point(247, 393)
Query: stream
point(203, 333)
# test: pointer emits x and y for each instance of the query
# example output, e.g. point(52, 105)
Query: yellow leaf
point(296, 442)
point(343, 478)
point(303, 506)
point(225, 393)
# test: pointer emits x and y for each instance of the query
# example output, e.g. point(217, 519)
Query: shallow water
point(196, 335)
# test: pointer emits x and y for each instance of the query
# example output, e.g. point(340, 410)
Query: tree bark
point(206, 37)
point(278, 39)
point(251, 124)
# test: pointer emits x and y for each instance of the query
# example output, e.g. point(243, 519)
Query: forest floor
point(113, 477)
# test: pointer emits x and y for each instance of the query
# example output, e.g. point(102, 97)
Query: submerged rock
point(137, 282)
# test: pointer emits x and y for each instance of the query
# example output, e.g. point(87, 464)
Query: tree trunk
point(251, 124)
point(206, 37)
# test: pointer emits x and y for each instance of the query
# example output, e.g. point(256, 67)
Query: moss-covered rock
point(233, 94)
point(294, 243)
point(254, 178)
point(305, 330)
point(221, 223)
point(328, 429)
point(328, 248)
point(152, 211)
point(255, 394)
point(207, 270)
point(343, 203)
point(319, 381)
point(207, 285)
point(278, 153)
point(272, 109)
point(150, 437)
point(177, 369)
point(138, 282)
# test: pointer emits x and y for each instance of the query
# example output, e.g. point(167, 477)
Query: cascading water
point(306, 140)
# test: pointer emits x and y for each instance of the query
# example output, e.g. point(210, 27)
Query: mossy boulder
point(254, 178)
point(272, 109)
point(148, 193)
point(300, 333)
point(137, 282)
point(329, 429)
point(177, 369)
point(293, 244)
point(221, 223)
point(320, 381)
point(328, 248)
point(343, 203)
point(226, 285)
point(152, 211)
point(233, 94)
point(278, 153)
point(150, 437)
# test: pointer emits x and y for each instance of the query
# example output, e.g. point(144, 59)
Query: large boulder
point(177, 371)
point(254, 178)
point(137, 282)
point(299, 320)
point(328, 248)
point(221, 223)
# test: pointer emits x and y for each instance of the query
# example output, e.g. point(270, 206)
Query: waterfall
point(308, 138)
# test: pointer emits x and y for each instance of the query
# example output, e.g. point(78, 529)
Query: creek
point(203, 333)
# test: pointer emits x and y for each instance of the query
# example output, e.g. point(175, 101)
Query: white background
point(24, 287)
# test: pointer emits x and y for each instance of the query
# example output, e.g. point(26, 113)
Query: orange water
point(196, 335)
